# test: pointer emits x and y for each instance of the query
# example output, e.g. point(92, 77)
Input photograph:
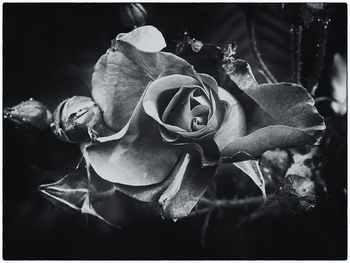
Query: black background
point(49, 51)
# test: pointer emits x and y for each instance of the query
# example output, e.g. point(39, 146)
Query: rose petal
point(190, 189)
point(122, 74)
point(178, 111)
point(133, 160)
point(180, 171)
point(136, 155)
point(159, 90)
point(159, 94)
point(264, 139)
point(234, 123)
point(284, 116)
point(151, 193)
point(287, 104)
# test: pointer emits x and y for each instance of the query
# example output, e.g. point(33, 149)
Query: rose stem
point(254, 47)
point(296, 62)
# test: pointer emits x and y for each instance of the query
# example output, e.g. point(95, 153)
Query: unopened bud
point(133, 15)
point(77, 119)
point(30, 113)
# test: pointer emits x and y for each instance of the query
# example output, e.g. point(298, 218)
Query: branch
point(320, 55)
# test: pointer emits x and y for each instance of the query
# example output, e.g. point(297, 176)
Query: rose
point(173, 126)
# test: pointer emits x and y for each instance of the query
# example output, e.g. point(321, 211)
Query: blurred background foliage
point(49, 52)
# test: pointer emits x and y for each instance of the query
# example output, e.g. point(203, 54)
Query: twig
point(264, 75)
point(200, 211)
point(253, 45)
point(236, 202)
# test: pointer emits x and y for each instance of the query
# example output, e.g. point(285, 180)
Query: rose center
point(200, 115)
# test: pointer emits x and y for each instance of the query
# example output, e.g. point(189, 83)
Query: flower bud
point(30, 113)
point(77, 119)
point(196, 45)
point(133, 15)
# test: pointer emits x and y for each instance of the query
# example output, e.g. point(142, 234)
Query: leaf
point(70, 191)
point(73, 191)
point(252, 169)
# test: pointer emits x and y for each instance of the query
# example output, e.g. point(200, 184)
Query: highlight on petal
point(152, 193)
point(284, 115)
point(144, 38)
point(234, 123)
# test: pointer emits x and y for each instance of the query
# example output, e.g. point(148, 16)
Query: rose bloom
point(173, 126)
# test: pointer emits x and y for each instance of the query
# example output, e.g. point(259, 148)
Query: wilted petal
point(240, 73)
point(123, 73)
